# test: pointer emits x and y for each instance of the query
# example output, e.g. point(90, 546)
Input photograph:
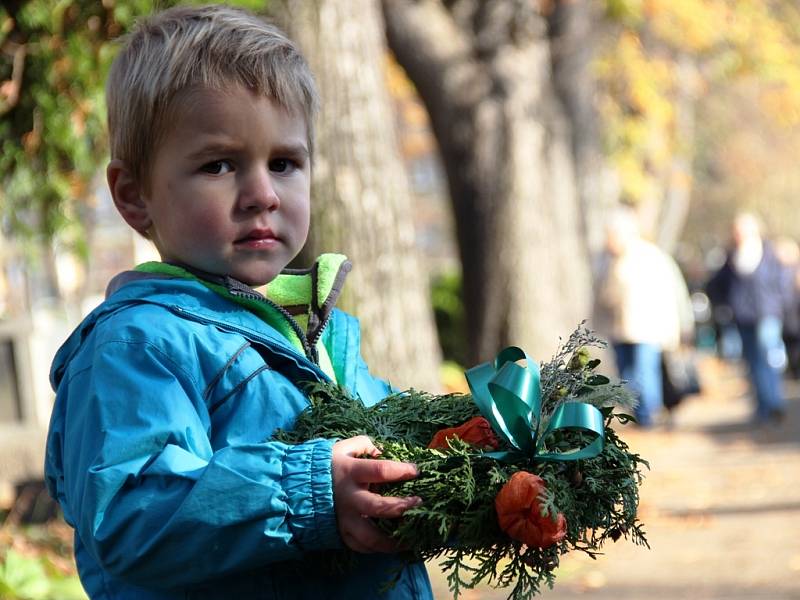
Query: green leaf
point(25, 577)
point(67, 588)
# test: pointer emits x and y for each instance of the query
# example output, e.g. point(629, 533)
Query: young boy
point(168, 393)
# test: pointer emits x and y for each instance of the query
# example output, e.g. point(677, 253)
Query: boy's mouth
point(258, 238)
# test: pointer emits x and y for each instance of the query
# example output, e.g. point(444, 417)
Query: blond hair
point(190, 47)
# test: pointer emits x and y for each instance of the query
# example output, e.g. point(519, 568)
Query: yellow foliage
point(719, 39)
point(636, 183)
point(782, 104)
point(696, 26)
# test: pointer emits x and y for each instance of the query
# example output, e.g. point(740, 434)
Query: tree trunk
point(575, 29)
point(483, 70)
point(360, 194)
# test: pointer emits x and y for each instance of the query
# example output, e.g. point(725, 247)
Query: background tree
point(483, 71)
point(361, 197)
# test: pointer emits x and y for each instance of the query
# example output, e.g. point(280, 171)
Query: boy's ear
point(127, 194)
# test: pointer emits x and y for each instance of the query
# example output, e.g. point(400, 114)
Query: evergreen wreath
point(502, 522)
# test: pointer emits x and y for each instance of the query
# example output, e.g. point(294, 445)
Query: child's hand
point(355, 503)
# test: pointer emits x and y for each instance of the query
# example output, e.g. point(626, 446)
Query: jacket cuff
point(308, 483)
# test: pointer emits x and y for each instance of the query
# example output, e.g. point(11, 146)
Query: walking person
point(642, 307)
point(752, 283)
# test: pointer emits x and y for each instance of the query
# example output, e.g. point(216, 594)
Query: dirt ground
point(721, 507)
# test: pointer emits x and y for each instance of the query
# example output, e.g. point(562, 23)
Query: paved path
point(721, 506)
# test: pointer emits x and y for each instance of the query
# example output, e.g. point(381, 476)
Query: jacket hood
point(76, 338)
point(127, 289)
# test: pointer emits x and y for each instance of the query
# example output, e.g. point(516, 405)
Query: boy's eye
point(282, 165)
point(217, 167)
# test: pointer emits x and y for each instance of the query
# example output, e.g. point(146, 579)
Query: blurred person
point(788, 253)
point(727, 342)
point(753, 285)
point(642, 307)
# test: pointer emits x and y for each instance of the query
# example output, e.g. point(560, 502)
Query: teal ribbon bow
point(509, 396)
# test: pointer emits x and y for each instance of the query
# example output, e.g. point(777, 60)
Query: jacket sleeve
point(153, 502)
point(786, 282)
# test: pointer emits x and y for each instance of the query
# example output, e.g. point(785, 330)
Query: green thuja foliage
point(457, 522)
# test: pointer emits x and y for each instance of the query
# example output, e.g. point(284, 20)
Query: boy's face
point(230, 185)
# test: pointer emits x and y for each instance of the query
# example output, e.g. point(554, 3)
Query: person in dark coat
point(753, 285)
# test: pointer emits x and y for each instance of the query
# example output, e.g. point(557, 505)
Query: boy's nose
point(258, 193)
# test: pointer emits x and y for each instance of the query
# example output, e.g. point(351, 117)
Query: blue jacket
point(159, 453)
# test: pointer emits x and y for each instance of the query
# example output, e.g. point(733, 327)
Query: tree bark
point(360, 194)
point(483, 70)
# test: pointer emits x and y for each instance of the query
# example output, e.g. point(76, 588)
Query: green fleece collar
point(294, 287)
point(309, 295)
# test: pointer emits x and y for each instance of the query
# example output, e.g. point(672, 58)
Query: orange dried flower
point(519, 512)
point(477, 431)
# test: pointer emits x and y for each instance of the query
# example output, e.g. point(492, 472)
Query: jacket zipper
point(308, 347)
point(318, 333)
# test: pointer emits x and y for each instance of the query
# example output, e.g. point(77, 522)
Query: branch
point(10, 89)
